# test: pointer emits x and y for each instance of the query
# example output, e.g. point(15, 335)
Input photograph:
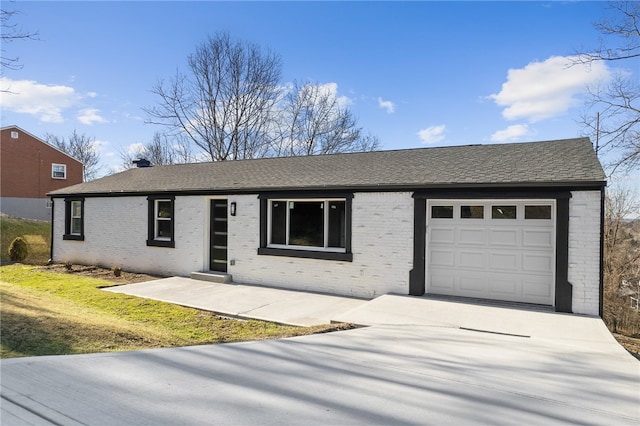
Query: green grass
point(36, 233)
point(45, 313)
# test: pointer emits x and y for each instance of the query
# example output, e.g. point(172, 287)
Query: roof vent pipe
point(142, 162)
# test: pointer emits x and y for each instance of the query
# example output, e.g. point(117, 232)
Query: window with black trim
point(318, 224)
point(161, 221)
point(318, 227)
point(73, 219)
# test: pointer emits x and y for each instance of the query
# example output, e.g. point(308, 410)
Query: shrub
point(117, 271)
point(37, 234)
point(18, 250)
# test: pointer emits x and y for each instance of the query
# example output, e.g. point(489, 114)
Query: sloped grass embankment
point(45, 313)
point(36, 233)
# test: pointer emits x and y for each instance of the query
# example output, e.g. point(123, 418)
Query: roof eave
point(594, 185)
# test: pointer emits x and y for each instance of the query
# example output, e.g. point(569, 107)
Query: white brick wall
point(584, 250)
point(124, 243)
point(382, 246)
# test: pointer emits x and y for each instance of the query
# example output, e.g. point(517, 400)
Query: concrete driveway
point(422, 361)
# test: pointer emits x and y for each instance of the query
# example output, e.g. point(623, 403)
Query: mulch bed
point(117, 277)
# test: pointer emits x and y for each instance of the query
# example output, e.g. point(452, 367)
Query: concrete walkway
point(306, 309)
point(245, 301)
point(422, 361)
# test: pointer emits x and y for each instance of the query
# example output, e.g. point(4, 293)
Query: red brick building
point(29, 169)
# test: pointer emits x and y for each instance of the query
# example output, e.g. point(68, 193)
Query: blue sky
point(415, 74)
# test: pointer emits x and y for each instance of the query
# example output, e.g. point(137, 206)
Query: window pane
point(76, 226)
point(442, 212)
point(164, 228)
point(58, 170)
point(503, 212)
point(164, 209)
point(537, 212)
point(337, 220)
point(472, 212)
point(306, 223)
point(220, 239)
point(278, 222)
point(76, 209)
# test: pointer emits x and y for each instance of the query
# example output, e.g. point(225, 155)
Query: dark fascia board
point(580, 185)
point(304, 194)
point(487, 193)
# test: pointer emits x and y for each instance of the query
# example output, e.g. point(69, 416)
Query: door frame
point(210, 231)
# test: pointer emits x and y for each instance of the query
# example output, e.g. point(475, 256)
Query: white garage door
point(500, 249)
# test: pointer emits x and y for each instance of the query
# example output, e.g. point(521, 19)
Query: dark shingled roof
point(552, 163)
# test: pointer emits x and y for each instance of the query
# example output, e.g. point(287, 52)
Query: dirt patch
point(102, 273)
point(629, 343)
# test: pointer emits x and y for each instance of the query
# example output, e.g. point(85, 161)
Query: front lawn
point(48, 313)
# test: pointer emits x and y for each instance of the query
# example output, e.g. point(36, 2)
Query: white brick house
point(515, 222)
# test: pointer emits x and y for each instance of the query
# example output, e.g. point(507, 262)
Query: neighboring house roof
point(551, 163)
point(14, 127)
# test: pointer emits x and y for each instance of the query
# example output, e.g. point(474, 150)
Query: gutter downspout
point(601, 286)
point(53, 210)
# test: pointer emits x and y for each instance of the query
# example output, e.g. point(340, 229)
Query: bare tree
point(162, 150)
point(621, 259)
point(11, 32)
point(231, 104)
point(314, 120)
point(612, 116)
point(224, 102)
point(365, 143)
point(82, 148)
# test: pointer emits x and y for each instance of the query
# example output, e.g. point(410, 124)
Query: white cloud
point(135, 149)
point(432, 134)
point(99, 146)
point(89, 116)
point(510, 133)
point(332, 90)
point(546, 89)
point(326, 89)
point(388, 105)
point(46, 102)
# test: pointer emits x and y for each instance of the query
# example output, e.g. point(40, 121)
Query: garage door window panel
point(504, 212)
point(471, 212)
point(442, 212)
point(537, 212)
